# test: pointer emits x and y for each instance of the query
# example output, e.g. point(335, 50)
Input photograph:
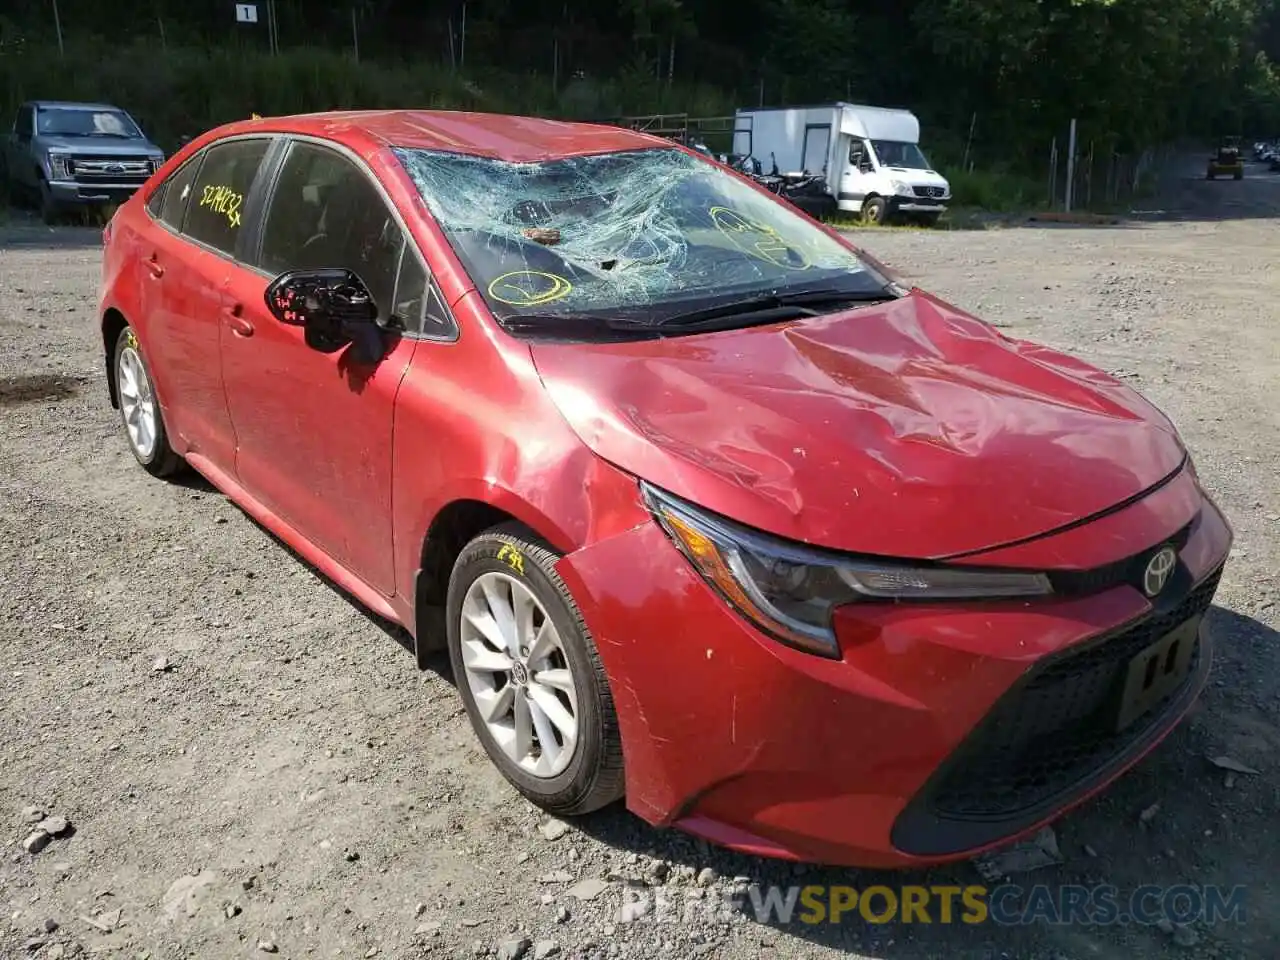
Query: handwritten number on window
point(223, 200)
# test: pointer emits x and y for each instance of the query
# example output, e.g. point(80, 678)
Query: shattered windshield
point(640, 234)
point(905, 156)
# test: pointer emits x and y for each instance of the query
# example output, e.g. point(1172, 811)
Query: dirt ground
point(291, 781)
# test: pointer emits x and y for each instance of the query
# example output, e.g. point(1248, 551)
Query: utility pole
point(273, 28)
point(1071, 165)
point(462, 40)
point(57, 24)
point(355, 34)
point(968, 144)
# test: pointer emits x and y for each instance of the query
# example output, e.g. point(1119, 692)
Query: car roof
point(498, 136)
point(73, 104)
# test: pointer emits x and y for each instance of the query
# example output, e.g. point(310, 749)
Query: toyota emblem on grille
point(1159, 567)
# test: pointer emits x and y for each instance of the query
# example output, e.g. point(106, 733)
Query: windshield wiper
point(577, 326)
point(751, 311)
point(773, 307)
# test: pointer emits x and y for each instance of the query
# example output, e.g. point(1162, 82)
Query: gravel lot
point(287, 779)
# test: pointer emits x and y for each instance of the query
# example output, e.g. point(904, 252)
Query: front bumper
point(902, 752)
point(70, 193)
point(899, 204)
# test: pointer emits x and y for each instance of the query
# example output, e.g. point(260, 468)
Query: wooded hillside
point(1135, 72)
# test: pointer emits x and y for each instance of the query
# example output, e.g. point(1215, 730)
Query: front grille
point(1054, 730)
point(933, 193)
point(1052, 737)
point(1126, 572)
point(109, 169)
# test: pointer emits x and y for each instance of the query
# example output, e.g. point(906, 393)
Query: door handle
point(153, 265)
point(239, 325)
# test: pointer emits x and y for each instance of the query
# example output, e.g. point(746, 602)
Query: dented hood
point(905, 429)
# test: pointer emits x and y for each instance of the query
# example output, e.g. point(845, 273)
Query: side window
point(217, 203)
point(326, 212)
point(169, 203)
point(156, 203)
point(411, 291)
point(437, 319)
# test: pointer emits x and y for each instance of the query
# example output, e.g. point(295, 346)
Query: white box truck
point(870, 156)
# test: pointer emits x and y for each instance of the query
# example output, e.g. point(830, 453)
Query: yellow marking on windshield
point(758, 240)
point(528, 288)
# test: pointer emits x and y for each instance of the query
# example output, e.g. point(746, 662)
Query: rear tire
point(500, 573)
point(11, 192)
point(140, 412)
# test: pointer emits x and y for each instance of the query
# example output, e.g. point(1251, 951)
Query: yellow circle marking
point(757, 240)
point(528, 288)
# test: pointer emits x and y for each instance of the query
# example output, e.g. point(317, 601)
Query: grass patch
point(995, 190)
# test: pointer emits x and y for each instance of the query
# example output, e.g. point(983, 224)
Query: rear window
point(169, 202)
point(216, 206)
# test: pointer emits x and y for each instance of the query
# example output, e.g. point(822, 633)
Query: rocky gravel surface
point(206, 751)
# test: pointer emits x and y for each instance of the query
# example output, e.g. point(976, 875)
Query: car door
point(314, 429)
point(20, 164)
point(189, 260)
point(857, 180)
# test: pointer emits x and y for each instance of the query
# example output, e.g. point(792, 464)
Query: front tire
point(50, 209)
point(875, 210)
point(140, 409)
point(529, 674)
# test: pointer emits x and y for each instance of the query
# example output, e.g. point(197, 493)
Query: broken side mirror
point(334, 308)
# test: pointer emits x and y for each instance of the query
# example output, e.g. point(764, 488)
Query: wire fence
point(1103, 177)
point(1078, 170)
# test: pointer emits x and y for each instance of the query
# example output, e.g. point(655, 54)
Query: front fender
point(474, 422)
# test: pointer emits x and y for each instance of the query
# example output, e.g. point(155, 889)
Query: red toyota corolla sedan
point(707, 510)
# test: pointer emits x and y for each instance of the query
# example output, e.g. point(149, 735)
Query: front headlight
point(790, 590)
point(900, 188)
point(59, 166)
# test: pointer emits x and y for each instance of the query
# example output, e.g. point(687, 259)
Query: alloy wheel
point(137, 402)
point(518, 674)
